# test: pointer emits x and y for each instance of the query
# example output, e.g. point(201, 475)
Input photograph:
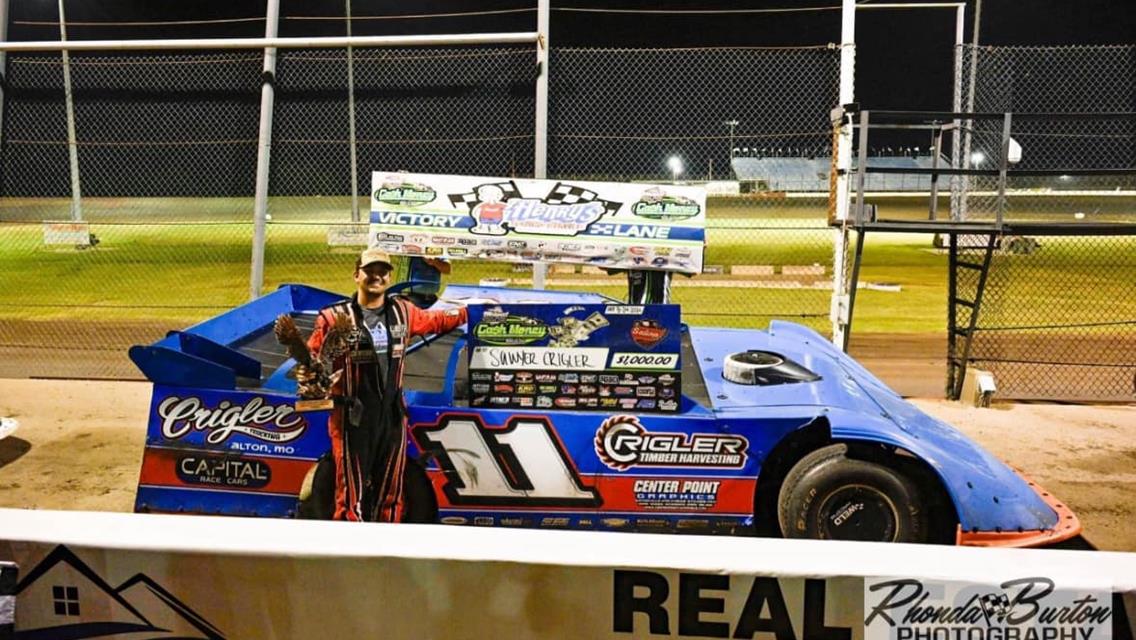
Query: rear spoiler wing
point(203, 355)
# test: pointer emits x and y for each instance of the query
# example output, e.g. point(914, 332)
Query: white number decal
point(520, 464)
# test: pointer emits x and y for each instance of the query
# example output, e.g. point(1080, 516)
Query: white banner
point(100, 574)
point(68, 233)
point(603, 224)
point(539, 358)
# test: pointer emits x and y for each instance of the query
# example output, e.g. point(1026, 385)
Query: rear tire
point(829, 495)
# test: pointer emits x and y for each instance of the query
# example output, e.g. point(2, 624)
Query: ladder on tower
point(969, 274)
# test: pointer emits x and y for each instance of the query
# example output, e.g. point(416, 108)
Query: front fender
point(988, 495)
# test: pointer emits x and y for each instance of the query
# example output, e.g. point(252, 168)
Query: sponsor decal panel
point(1031, 607)
point(571, 345)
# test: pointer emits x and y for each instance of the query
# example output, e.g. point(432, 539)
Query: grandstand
point(805, 174)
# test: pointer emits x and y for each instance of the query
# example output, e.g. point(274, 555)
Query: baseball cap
point(373, 255)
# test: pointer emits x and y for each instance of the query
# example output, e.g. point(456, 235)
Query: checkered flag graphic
point(470, 200)
point(564, 193)
point(996, 606)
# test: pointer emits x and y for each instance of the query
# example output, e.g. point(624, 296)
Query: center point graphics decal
point(256, 419)
point(622, 442)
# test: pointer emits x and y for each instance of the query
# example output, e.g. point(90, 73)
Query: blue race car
point(570, 410)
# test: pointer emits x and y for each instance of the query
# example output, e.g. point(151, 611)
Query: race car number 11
point(522, 463)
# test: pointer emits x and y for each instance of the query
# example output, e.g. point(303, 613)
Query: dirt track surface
point(79, 446)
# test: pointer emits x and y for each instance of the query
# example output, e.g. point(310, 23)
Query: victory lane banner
point(603, 224)
point(585, 357)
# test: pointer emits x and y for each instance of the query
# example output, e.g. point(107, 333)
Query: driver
point(368, 424)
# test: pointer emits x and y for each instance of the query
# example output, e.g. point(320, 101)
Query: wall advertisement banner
point(87, 593)
point(86, 575)
point(603, 224)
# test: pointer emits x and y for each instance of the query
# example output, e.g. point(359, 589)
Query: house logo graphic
point(62, 597)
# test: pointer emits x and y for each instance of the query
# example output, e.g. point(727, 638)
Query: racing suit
point(368, 424)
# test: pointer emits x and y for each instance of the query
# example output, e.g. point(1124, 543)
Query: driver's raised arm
point(425, 322)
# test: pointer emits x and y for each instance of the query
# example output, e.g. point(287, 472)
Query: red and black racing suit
point(368, 424)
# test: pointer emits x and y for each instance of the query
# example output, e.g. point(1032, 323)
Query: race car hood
point(988, 495)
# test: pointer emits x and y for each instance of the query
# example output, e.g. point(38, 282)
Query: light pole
point(674, 163)
point(731, 124)
point(69, 109)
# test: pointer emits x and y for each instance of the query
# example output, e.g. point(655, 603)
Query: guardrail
point(238, 578)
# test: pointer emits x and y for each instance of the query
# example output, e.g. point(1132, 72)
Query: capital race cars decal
point(622, 443)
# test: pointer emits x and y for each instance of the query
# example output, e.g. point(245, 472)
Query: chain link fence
point(460, 110)
point(1035, 330)
point(158, 236)
point(623, 114)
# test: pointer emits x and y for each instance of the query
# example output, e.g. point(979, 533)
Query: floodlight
point(1014, 155)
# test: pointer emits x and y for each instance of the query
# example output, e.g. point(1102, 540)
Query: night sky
point(904, 58)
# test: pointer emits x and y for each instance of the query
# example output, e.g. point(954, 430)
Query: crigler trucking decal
point(622, 443)
point(255, 419)
point(613, 225)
